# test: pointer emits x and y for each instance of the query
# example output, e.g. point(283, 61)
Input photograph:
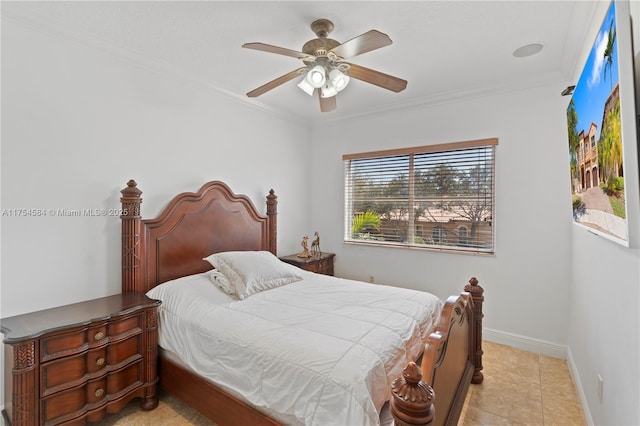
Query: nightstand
point(321, 264)
point(75, 363)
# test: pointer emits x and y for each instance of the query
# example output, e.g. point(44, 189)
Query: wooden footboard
point(434, 393)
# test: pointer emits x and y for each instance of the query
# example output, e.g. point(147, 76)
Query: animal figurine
point(315, 245)
point(305, 248)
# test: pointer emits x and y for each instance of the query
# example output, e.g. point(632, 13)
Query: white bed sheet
point(321, 351)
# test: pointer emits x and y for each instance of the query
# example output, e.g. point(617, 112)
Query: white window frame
point(460, 156)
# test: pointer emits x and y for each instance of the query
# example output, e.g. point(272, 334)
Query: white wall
point(78, 123)
point(604, 327)
point(526, 282)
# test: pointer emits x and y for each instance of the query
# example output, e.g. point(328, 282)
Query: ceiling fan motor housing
point(319, 47)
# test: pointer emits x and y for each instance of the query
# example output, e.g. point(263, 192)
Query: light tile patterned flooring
point(520, 388)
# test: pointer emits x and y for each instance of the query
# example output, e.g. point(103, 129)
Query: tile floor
point(519, 388)
point(522, 388)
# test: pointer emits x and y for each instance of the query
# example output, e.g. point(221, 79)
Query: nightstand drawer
point(320, 263)
point(323, 266)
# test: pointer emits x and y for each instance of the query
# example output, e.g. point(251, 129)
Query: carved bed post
point(151, 399)
point(272, 214)
point(24, 403)
point(477, 294)
point(131, 255)
point(411, 399)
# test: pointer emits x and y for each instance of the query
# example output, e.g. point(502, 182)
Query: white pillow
point(250, 272)
point(222, 282)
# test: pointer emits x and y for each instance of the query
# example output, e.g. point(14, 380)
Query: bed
point(171, 250)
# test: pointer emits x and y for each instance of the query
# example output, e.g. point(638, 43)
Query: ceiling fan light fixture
point(338, 79)
point(328, 90)
point(316, 76)
point(306, 86)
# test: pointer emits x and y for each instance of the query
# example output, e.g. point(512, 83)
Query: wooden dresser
point(74, 363)
point(320, 263)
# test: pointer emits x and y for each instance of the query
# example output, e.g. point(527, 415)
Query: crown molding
point(448, 98)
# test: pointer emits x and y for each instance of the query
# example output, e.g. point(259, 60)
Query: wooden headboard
point(192, 226)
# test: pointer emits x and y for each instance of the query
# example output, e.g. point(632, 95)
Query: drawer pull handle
point(100, 361)
point(99, 392)
point(99, 335)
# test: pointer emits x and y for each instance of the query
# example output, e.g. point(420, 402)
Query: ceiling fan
point(325, 67)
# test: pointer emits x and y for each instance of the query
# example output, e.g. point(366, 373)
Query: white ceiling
point(444, 49)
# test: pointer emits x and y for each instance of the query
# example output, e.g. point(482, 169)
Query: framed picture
point(598, 138)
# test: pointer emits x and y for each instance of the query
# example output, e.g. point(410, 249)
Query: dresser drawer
point(64, 373)
point(68, 343)
point(69, 404)
point(75, 402)
point(120, 328)
point(72, 371)
point(122, 381)
point(74, 341)
point(123, 351)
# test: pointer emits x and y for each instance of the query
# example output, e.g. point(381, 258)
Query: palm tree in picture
point(608, 52)
point(616, 148)
point(610, 150)
point(574, 143)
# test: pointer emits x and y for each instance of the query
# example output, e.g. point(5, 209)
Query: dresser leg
point(150, 403)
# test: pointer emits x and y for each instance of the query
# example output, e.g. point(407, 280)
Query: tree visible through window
point(439, 196)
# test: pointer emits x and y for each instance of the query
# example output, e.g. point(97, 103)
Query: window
point(438, 197)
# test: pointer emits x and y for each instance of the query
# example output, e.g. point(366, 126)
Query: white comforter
point(321, 351)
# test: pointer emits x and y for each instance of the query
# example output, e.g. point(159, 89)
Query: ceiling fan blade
point(279, 50)
point(327, 104)
point(276, 82)
point(363, 43)
point(385, 81)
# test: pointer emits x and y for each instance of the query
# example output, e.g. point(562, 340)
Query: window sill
point(440, 249)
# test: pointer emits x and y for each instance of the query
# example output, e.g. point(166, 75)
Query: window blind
point(437, 197)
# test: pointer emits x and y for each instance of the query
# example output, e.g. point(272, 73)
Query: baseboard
point(576, 379)
point(525, 343)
